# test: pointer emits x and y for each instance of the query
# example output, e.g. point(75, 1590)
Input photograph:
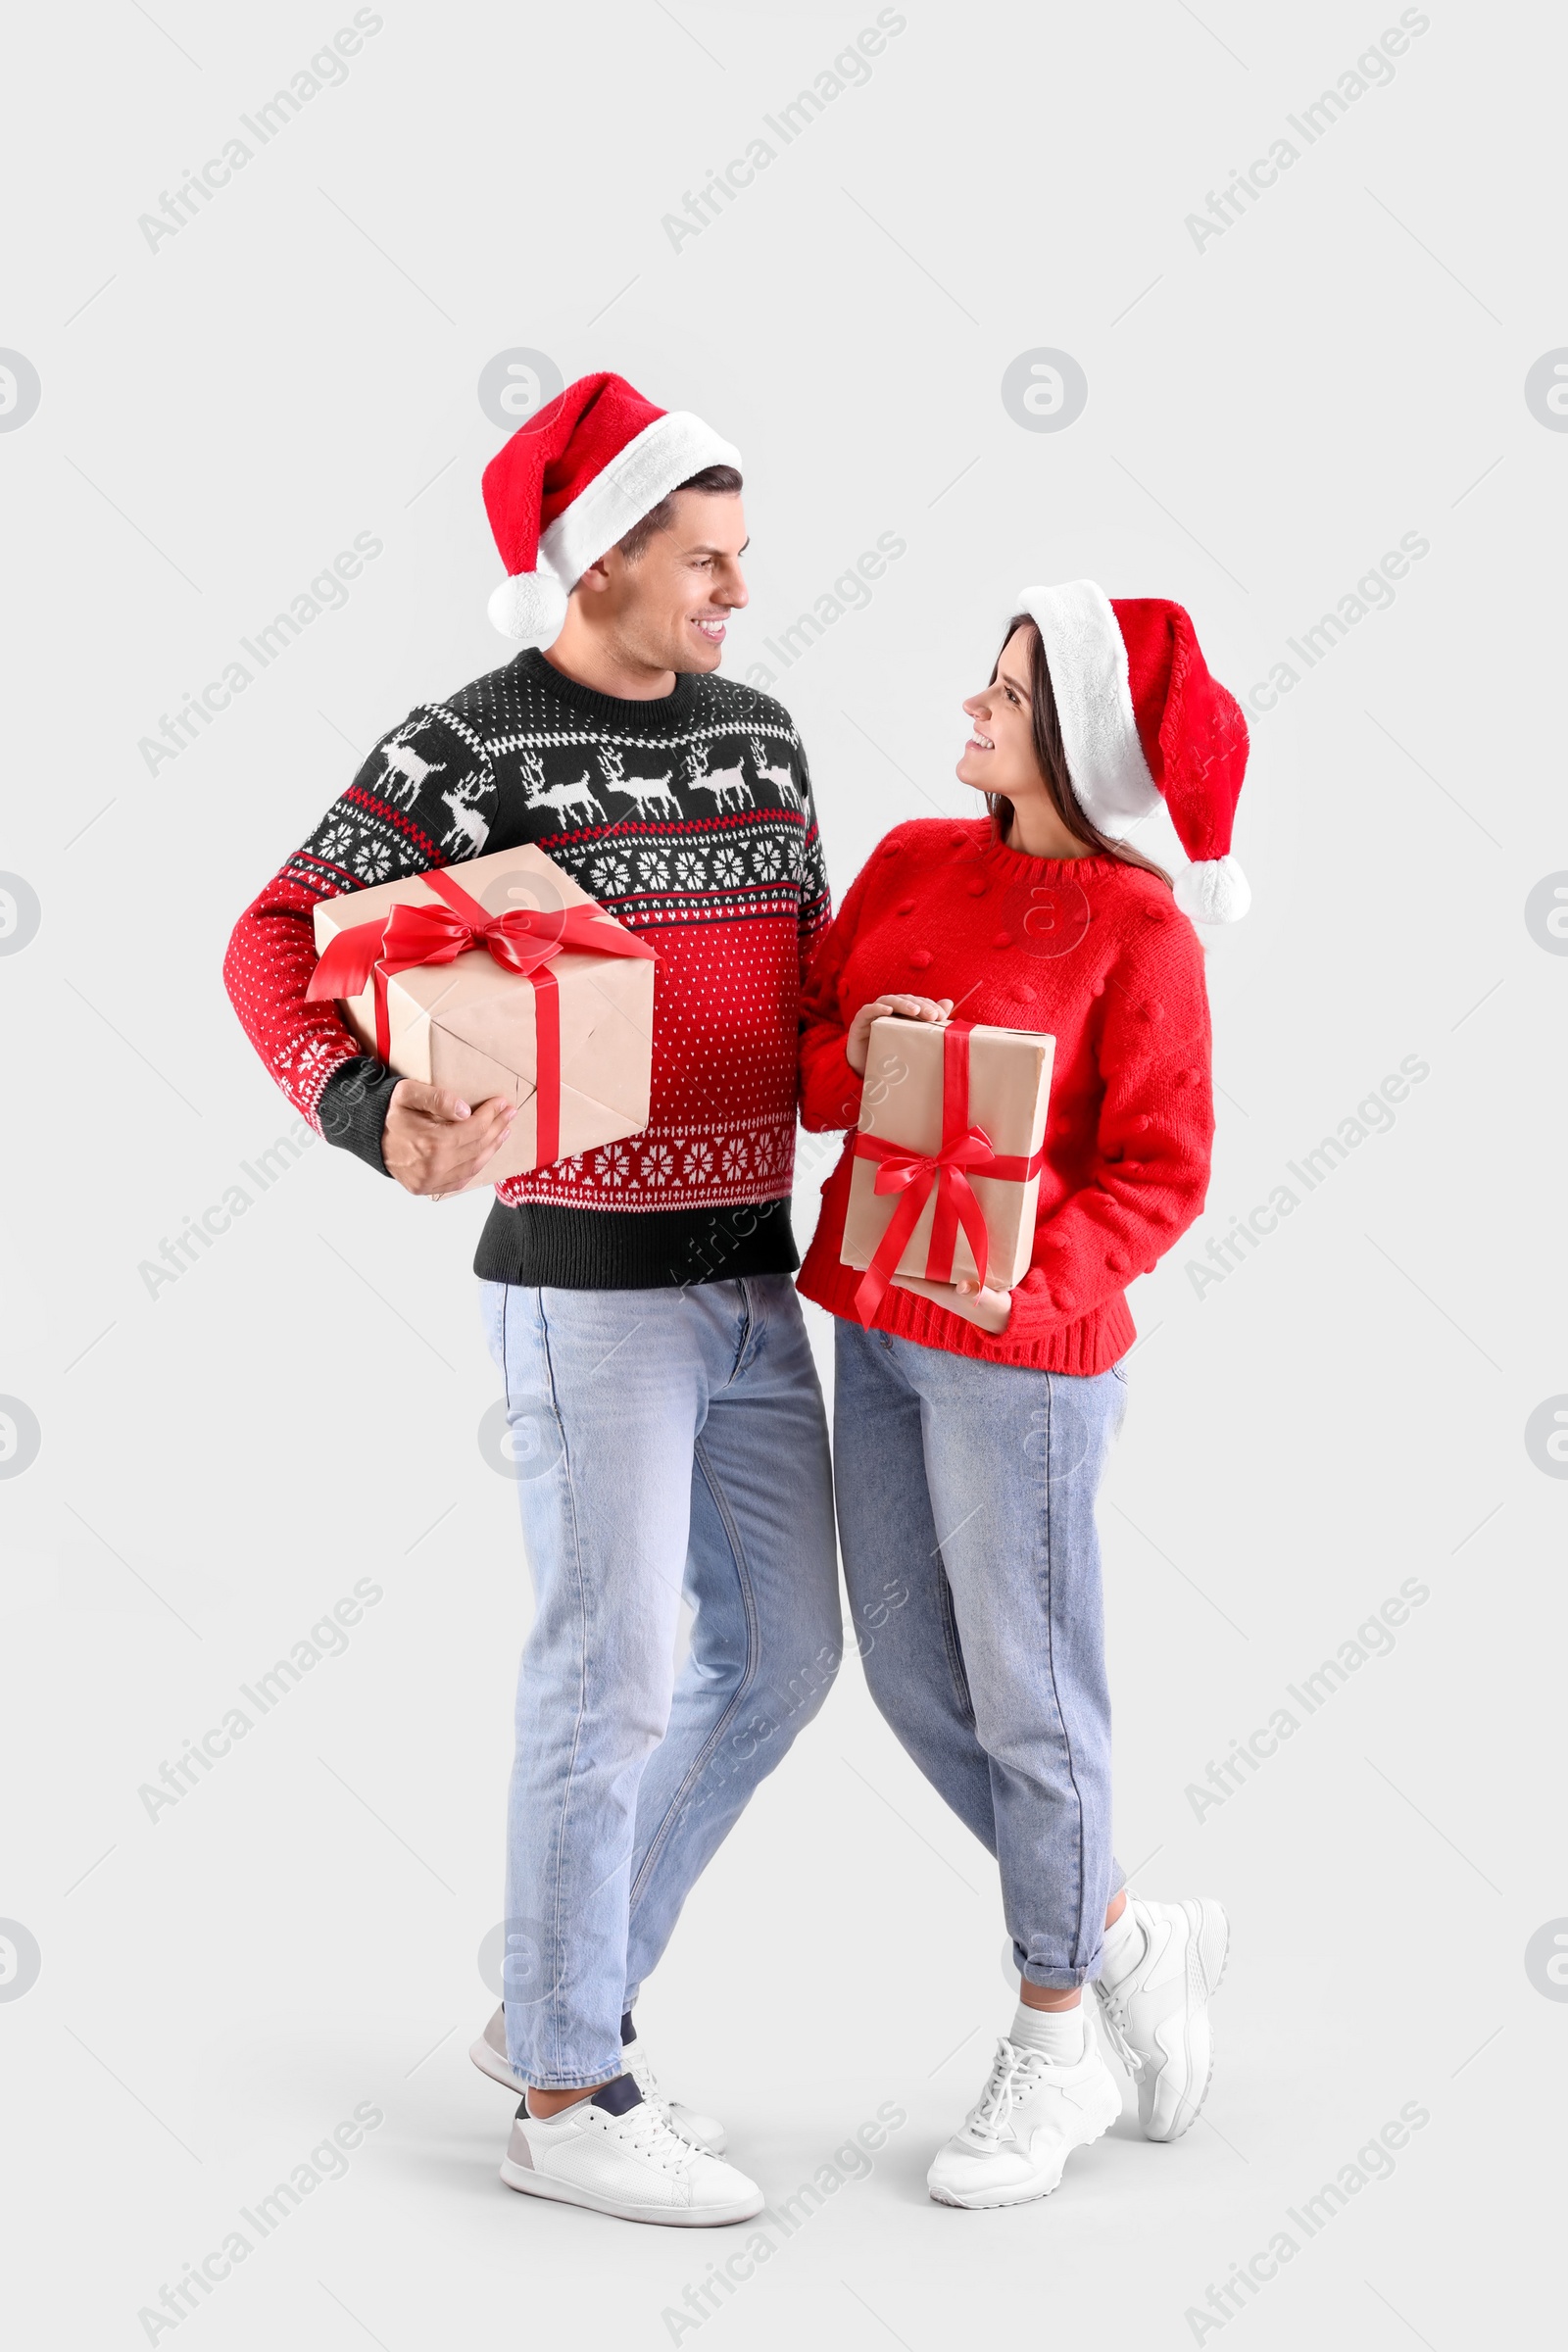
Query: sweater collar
point(608, 711)
point(1017, 866)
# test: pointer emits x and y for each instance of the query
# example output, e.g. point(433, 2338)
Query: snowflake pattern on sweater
point(690, 819)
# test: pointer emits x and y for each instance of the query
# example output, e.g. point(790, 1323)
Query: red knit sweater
point(1096, 953)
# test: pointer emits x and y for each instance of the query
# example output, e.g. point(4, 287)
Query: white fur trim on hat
point(530, 607)
point(662, 456)
point(1087, 657)
point(1214, 890)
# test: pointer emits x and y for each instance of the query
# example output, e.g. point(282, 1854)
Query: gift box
point(500, 977)
point(947, 1160)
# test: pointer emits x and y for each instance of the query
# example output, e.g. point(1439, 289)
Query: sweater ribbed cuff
point(830, 1099)
point(353, 1107)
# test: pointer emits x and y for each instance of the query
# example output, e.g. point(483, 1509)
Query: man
point(665, 1411)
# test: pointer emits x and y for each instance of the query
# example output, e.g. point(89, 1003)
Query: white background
point(1346, 1409)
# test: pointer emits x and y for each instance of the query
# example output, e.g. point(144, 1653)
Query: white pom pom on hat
point(530, 607)
point(1214, 890)
point(574, 480)
point(1142, 721)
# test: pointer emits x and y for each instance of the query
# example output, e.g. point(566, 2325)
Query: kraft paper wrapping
point(901, 1102)
point(469, 1025)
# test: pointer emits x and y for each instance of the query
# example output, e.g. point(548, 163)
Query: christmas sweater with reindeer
point(690, 817)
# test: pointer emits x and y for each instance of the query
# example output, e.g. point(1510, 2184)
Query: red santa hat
point(1142, 721)
point(574, 479)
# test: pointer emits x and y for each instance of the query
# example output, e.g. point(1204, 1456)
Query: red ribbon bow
point(945, 1172)
point(523, 939)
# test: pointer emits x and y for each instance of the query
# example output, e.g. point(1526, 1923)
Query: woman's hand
point(969, 1287)
point(857, 1042)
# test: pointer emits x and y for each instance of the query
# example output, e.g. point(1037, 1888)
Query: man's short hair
point(715, 481)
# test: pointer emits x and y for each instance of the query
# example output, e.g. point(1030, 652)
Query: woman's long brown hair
point(1044, 728)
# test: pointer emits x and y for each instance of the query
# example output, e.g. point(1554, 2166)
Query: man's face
point(667, 609)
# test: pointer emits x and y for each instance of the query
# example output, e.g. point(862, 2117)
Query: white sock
point(1057, 2033)
point(1123, 1946)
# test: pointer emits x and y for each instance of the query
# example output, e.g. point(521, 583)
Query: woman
point(968, 1459)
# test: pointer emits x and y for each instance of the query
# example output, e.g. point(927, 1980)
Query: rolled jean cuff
point(1055, 1979)
point(562, 2081)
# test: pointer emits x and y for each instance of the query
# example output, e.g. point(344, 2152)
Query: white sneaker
point(1024, 2126)
point(615, 2153)
point(1156, 2015)
point(489, 2055)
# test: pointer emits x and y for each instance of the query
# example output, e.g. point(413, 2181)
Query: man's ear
point(595, 580)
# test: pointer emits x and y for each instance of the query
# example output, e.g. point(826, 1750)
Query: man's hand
point(858, 1042)
point(435, 1143)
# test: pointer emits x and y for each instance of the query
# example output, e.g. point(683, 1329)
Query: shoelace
point(1116, 2020)
point(649, 2133)
point(647, 2082)
point(1010, 2071)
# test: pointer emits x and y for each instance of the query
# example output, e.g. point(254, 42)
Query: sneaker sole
point(1025, 2192)
point(1207, 1956)
point(564, 2193)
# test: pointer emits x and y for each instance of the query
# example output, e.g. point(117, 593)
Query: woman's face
point(1000, 755)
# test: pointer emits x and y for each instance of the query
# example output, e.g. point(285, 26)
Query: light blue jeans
point(665, 1441)
point(967, 1516)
